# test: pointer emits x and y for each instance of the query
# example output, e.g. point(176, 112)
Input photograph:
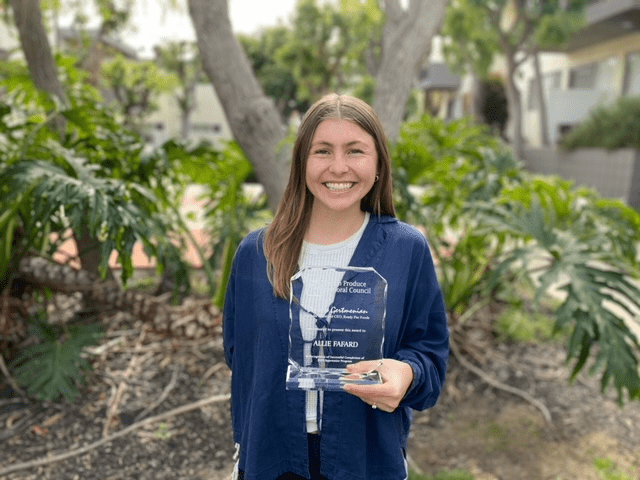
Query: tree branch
point(499, 385)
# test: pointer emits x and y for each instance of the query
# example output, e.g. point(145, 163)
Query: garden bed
point(475, 427)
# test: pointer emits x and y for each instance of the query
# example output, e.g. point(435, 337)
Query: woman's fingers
point(397, 377)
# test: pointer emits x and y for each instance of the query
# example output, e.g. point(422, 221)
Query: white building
point(601, 64)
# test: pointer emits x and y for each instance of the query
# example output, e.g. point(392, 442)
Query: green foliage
point(519, 325)
point(113, 18)
point(95, 177)
point(477, 30)
point(228, 210)
point(320, 39)
point(328, 48)
point(429, 146)
point(560, 234)
point(182, 59)
point(162, 432)
point(98, 177)
point(55, 367)
point(608, 470)
point(471, 44)
point(276, 77)
point(136, 86)
point(147, 284)
point(555, 30)
point(491, 225)
point(454, 165)
point(494, 107)
point(609, 127)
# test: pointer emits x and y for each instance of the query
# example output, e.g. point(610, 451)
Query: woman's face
point(341, 167)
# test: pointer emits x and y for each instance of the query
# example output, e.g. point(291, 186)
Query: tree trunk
point(43, 71)
point(515, 108)
point(406, 37)
point(187, 105)
point(90, 253)
point(542, 101)
point(477, 99)
point(36, 48)
point(252, 116)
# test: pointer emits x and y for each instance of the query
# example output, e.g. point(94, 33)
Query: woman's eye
point(355, 151)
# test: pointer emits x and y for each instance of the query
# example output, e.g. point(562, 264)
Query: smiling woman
point(336, 212)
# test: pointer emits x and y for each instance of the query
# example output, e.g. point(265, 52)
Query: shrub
point(608, 127)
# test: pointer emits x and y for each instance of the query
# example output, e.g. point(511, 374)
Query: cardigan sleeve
point(424, 344)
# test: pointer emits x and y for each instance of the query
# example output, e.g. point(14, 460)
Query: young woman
point(337, 210)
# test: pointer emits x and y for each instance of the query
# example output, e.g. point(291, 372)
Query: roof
point(602, 28)
point(438, 77)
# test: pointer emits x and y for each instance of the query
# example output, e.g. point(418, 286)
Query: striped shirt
point(317, 296)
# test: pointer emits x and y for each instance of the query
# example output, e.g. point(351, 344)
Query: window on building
point(206, 128)
point(632, 75)
point(597, 75)
point(583, 76)
point(606, 76)
point(550, 81)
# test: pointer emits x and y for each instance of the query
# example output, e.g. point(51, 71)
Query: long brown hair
point(284, 237)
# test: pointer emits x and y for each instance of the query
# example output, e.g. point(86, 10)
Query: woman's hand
point(396, 376)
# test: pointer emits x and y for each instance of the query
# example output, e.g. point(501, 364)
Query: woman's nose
point(339, 164)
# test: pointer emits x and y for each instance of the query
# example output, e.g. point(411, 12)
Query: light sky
point(247, 16)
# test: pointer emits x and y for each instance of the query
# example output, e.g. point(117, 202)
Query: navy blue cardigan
point(358, 442)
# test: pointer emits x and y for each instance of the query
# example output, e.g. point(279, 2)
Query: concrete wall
point(569, 108)
point(613, 174)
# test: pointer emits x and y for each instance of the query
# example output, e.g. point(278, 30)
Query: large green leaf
point(572, 261)
point(55, 368)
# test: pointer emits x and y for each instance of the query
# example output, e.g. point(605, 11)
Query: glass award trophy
point(337, 317)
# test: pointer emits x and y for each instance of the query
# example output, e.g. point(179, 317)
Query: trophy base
point(328, 379)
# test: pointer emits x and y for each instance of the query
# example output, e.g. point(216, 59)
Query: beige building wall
point(209, 115)
point(208, 121)
point(616, 49)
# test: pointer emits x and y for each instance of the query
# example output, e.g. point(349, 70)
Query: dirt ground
point(490, 432)
point(497, 435)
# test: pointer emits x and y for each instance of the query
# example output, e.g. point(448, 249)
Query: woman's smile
point(339, 187)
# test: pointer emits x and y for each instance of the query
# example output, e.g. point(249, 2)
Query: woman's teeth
point(339, 187)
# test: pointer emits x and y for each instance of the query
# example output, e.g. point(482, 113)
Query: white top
point(318, 295)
